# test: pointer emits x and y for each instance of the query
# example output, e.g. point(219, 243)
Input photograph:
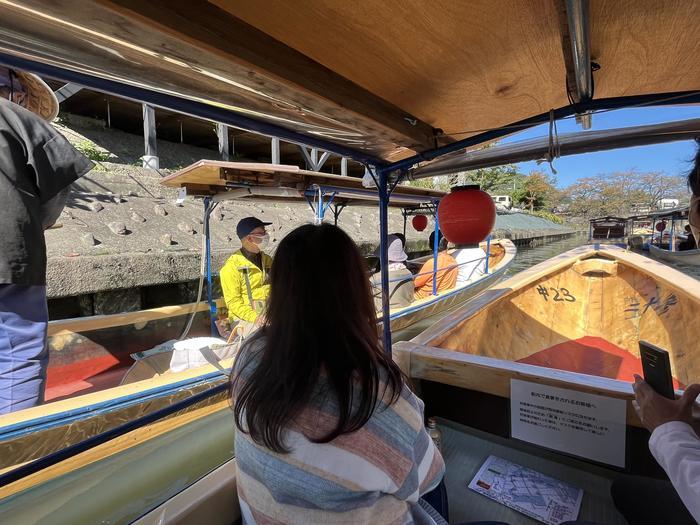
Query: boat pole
point(436, 243)
point(488, 252)
point(207, 255)
point(383, 190)
point(670, 240)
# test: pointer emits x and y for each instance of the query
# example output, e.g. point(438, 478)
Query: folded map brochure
point(543, 498)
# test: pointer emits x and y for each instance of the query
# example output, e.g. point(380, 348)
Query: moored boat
point(584, 311)
point(100, 369)
point(689, 257)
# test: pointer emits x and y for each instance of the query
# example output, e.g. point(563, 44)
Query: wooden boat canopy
point(671, 214)
point(380, 82)
point(608, 227)
point(250, 180)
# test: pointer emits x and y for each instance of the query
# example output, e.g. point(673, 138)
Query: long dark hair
point(694, 174)
point(320, 319)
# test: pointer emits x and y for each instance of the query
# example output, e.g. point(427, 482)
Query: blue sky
point(672, 158)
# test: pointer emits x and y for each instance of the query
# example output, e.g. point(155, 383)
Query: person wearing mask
point(37, 167)
point(472, 262)
point(446, 275)
point(675, 444)
point(328, 431)
point(244, 277)
point(400, 277)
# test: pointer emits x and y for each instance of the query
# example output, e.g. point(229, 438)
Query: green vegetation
point(92, 152)
point(549, 216)
point(537, 191)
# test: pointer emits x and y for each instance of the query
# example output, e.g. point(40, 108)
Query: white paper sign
point(181, 195)
point(577, 423)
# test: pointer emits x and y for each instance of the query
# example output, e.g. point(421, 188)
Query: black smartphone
point(657, 368)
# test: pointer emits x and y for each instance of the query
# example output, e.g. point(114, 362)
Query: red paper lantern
point(661, 226)
point(466, 215)
point(420, 222)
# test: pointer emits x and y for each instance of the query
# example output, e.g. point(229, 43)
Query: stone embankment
point(123, 243)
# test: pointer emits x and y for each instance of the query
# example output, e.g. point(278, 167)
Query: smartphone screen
point(657, 368)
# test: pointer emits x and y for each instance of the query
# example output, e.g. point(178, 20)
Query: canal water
point(525, 258)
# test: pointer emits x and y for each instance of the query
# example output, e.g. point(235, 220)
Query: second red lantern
point(420, 222)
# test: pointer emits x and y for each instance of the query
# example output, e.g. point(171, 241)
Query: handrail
point(431, 272)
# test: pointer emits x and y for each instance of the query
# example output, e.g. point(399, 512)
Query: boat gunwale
point(492, 376)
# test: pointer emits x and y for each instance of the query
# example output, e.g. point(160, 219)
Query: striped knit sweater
point(372, 476)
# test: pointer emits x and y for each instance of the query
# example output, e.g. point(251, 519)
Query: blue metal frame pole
point(383, 190)
point(210, 292)
point(436, 243)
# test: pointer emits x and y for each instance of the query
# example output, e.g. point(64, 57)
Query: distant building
point(503, 200)
point(640, 208)
point(667, 204)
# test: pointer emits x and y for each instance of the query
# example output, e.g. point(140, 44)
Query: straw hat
point(40, 98)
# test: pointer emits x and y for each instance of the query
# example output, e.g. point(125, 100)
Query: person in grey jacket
point(37, 167)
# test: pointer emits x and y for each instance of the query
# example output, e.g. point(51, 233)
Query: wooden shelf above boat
point(284, 182)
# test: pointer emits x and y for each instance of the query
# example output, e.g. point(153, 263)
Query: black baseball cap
point(247, 225)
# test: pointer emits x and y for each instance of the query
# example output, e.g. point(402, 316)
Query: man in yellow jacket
point(244, 277)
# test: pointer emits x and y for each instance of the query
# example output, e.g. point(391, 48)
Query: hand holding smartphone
point(656, 366)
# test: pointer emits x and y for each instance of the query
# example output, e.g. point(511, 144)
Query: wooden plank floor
point(465, 451)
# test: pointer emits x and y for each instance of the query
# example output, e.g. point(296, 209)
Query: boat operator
point(37, 167)
point(244, 277)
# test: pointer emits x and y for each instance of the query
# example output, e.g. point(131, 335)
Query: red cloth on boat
point(593, 356)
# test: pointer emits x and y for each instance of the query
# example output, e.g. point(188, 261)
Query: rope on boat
point(61, 455)
point(202, 272)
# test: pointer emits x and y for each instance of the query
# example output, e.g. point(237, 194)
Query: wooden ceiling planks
point(455, 65)
point(645, 46)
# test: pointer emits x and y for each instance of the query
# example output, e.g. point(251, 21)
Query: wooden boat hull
point(689, 257)
point(94, 353)
point(573, 321)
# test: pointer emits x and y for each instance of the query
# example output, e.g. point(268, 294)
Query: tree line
point(617, 194)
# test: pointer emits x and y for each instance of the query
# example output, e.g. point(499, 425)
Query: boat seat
point(596, 267)
point(211, 500)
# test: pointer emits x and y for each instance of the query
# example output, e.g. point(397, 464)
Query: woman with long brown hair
point(694, 185)
point(328, 431)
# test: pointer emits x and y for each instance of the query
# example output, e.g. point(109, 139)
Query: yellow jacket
point(233, 284)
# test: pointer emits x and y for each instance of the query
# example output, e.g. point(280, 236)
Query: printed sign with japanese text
point(585, 425)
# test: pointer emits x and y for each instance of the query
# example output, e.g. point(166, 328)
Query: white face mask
point(261, 240)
